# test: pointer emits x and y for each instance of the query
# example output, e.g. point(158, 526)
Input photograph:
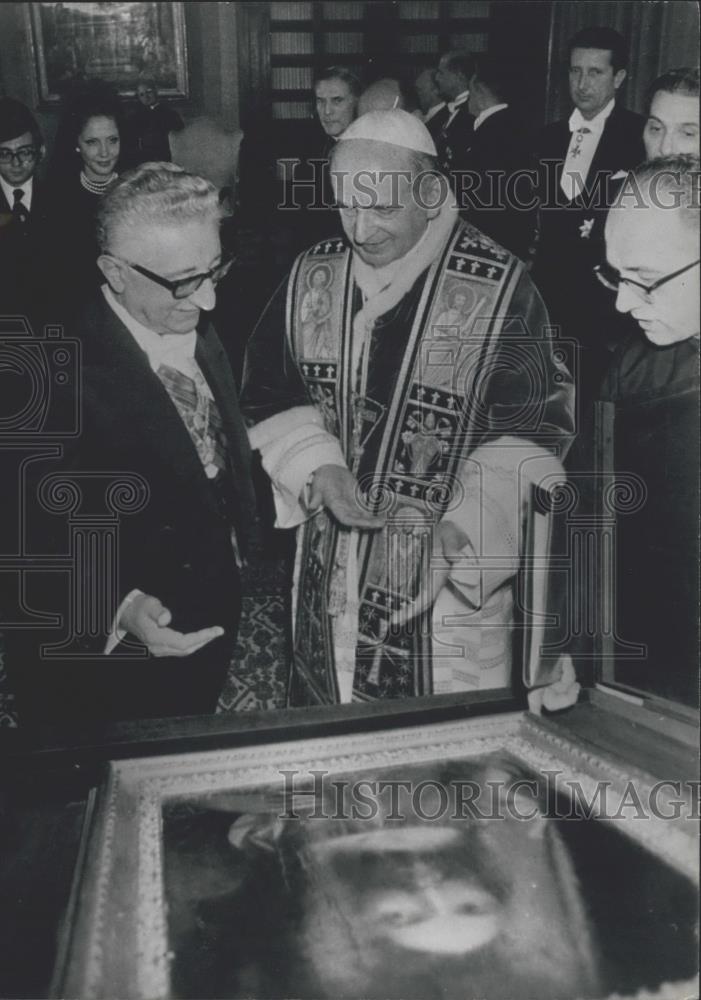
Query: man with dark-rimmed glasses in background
point(159, 414)
point(23, 214)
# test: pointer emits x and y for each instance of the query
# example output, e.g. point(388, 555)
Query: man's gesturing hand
point(336, 489)
point(147, 619)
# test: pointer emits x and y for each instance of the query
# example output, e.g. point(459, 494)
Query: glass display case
point(457, 858)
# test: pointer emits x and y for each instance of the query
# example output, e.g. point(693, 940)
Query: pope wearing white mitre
point(405, 455)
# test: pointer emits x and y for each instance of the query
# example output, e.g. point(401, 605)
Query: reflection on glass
point(332, 907)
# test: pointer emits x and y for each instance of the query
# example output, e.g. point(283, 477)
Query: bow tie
point(579, 124)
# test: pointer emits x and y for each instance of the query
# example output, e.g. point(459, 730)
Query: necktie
point(19, 209)
point(436, 124)
point(201, 416)
point(572, 180)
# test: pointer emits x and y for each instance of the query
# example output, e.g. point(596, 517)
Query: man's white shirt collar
point(174, 349)
point(432, 112)
point(9, 189)
point(487, 113)
point(596, 124)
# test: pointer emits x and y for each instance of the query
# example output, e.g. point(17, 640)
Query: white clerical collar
point(487, 113)
point(595, 124)
point(9, 189)
point(459, 101)
point(166, 348)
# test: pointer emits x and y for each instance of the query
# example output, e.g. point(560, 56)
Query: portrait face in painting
point(277, 897)
point(320, 277)
point(458, 299)
point(402, 909)
point(409, 897)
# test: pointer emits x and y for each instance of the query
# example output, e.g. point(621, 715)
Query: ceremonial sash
point(405, 450)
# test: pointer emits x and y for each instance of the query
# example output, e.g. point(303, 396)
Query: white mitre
point(396, 127)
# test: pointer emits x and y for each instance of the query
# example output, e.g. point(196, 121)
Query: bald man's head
point(652, 245)
point(382, 95)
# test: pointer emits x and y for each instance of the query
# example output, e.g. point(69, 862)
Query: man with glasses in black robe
point(652, 246)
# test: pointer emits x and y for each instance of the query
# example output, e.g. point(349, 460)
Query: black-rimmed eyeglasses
point(25, 154)
point(183, 288)
point(611, 279)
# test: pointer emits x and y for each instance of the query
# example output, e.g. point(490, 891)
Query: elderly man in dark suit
point(159, 407)
point(23, 212)
point(579, 157)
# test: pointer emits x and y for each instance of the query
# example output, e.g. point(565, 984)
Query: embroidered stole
point(405, 452)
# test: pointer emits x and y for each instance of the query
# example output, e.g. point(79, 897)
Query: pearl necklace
point(96, 187)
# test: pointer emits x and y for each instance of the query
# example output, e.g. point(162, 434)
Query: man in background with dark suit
point(23, 213)
point(434, 110)
point(148, 125)
point(453, 81)
point(305, 212)
point(152, 632)
point(500, 201)
point(578, 159)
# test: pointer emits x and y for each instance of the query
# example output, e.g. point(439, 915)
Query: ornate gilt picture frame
point(116, 42)
point(213, 874)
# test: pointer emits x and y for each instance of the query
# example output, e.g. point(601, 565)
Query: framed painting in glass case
point(489, 857)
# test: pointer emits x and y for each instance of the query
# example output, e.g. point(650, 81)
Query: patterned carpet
point(258, 674)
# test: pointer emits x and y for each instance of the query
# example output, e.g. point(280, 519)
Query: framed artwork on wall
point(116, 42)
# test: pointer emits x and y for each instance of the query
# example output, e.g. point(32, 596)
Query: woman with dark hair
point(84, 165)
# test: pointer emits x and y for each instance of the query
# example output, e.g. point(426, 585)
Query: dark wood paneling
point(254, 61)
point(519, 36)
